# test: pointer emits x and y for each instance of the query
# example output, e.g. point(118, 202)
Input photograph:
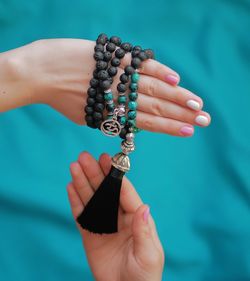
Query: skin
point(135, 251)
point(56, 72)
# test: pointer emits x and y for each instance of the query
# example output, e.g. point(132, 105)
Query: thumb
point(145, 250)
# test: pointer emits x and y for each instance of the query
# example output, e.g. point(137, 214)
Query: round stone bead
point(99, 107)
point(136, 62)
point(94, 83)
point(135, 77)
point(131, 123)
point(135, 53)
point(137, 48)
point(112, 71)
point(91, 92)
point(116, 40)
point(89, 118)
point(132, 114)
point(143, 56)
point(97, 116)
point(124, 78)
point(129, 70)
point(89, 110)
point(107, 56)
point(110, 107)
point(95, 73)
point(98, 123)
point(98, 56)
point(103, 75)
point(102, 39)
point(127, 47)
point(122, 99)
point(122, 88)
point(100, 65)
point(108, 96)
point(90, 101)
point(99, 98)
point(99, 48)
point(120, 53)
point(133, 87)
point(123, 133)
point(133, 96)
point(105, 84)
point(150, 53)
point(110, 47)
point(132, 105)
point(115, 62)
point(123, 120)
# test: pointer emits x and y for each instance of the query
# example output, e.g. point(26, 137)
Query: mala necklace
point(100, 215)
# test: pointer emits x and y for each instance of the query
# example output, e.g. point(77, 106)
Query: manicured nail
point(187, 131)
point(146, 214)
point(172, 79)
point(201, 120)
point(193, 104)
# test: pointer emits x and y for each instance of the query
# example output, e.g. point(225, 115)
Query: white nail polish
point(201, 120)
point(193, 105)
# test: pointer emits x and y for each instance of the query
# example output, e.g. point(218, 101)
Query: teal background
point(198, 188)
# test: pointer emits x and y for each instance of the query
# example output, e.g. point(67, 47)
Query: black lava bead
point(127, 47)
point(91, 92)
point(105, 84)
point(110, 47)
point(99, 98)
point(103, 75)
point(112, 71)
point(89, 118)
point(120, 53)
point(97, 116)
point(124, 78)
point(137, 48)
point(95, 73)
point(150, 53)
point(99, 48)
point(98, 56)
point(115, 62)
point(89, 110)
point(90, 101)
point(122, 88)
point(116, 40)
point(136, 62)
point(143, 56)
point(94, 83)
point(98, 123)
point(100, 65)
point(102, 39)
point(107, 56)
point(99, 107)
point(129, 70)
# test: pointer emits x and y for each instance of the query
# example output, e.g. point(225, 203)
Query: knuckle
point(156, 108)
point(147, 124)
point(151, 88)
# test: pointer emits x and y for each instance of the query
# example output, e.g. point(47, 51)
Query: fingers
point(155, 69)
point(164, 125)
point(168, 109)
point(145, 249)
point(75, 201)
point(158, 89)
point(81, 183)
point(91, 169)
point(129, 198)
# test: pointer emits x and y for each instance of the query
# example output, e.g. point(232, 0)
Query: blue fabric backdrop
point(198, 188)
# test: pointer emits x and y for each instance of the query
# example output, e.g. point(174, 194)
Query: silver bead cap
point(121, 162)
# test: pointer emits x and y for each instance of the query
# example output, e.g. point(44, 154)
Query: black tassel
point(101, 213)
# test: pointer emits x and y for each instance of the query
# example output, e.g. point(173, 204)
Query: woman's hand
point(135, 252)
point(57, 72)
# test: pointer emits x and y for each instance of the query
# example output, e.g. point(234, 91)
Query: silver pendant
point(111, 128)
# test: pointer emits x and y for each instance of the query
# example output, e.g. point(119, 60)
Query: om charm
point(111, 127)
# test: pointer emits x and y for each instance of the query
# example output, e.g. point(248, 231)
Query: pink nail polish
point(172, 79)
point(187, 131)
point(146, 214)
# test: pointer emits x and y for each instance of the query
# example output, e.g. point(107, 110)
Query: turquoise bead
point(135, 77)
point(132, 114)
point(123, 120)
point(132, 105)
point(133, 96)
point(122, 99)
point(108, 96)
point(131, 123)
point(133, 87)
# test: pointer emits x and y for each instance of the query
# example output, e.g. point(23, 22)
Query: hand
point(135, 252)
point(59, 71)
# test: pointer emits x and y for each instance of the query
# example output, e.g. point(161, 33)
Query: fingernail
point(201, 120)
point(172, 79)
point(187, 131)
point(193, 104)
point(146, 214)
